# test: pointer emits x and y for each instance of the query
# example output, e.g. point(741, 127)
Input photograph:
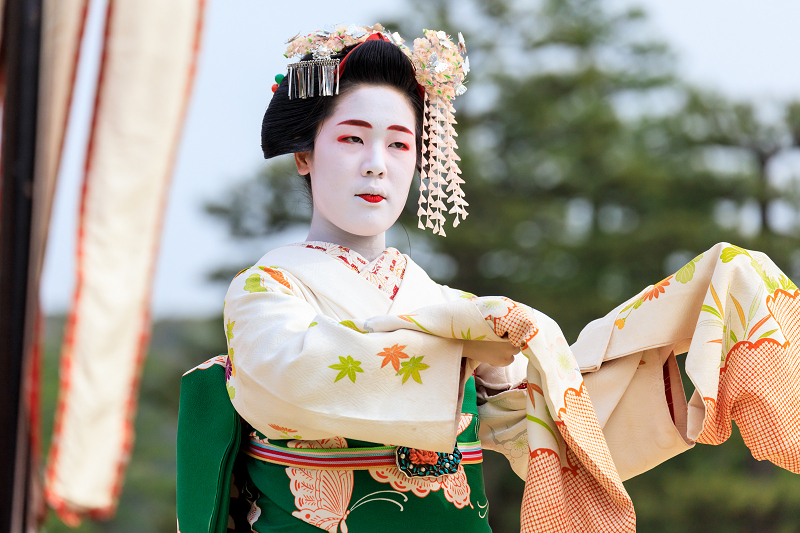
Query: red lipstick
point(371, 198)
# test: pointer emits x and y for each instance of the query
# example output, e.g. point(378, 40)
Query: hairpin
point(278, 80)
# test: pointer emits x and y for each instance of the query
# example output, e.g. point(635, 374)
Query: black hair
point(291, 126)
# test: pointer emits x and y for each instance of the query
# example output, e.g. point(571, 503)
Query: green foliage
point(275, 201)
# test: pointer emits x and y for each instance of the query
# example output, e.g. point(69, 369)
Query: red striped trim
point(342, 459)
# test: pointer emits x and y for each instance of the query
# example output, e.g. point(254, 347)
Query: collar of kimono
point(385, 272)
point(347, 291)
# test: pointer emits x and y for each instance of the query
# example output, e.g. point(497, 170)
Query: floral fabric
point(591, 415)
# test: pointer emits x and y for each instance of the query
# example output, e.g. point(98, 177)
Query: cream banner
point(146, 74)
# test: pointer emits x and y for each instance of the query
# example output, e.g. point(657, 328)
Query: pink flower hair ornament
point(441, 66)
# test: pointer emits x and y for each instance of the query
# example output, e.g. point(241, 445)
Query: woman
point(354, 370)
point(304, 376)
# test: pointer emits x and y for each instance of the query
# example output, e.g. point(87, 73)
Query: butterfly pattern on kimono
point(322, 497)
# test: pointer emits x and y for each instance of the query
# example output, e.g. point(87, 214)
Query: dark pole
point(21, 38)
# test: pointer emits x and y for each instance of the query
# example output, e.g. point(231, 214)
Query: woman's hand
point(493, 353)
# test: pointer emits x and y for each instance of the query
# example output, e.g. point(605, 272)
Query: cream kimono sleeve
point(501, 394)
point(298, 373)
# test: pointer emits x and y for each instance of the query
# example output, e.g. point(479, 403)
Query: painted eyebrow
point(362, 123)
point(400, 128)
point(365, 124)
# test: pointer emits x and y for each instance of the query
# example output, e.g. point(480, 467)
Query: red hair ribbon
point(376, 37)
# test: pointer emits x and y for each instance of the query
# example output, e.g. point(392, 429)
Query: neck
point(369, 247)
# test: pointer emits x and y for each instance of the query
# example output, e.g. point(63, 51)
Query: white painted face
point(363, 161)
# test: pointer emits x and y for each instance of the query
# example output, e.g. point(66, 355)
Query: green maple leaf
point(347, 367)
point(229, 329)
point(253, 284)
point(412, 368)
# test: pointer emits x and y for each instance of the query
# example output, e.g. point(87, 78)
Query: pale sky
point(745, 49)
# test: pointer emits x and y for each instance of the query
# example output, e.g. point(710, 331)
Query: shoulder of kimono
point(262, 279)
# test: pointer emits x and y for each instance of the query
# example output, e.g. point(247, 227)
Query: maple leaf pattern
point(253, 283)
point(412, 368)
point(277, 275)
point(393, 355)
point(347, 367)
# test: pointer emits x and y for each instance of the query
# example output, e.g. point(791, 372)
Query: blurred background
point(604, 144)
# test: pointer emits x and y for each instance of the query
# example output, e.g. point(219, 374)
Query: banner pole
point(20, 53)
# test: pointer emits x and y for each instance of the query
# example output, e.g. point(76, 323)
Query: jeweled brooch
point(424, 463)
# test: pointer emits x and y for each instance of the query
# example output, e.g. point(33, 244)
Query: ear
point(303, 162)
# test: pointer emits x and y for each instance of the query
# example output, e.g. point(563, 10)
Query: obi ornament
point(441, 66)
point(423, 463)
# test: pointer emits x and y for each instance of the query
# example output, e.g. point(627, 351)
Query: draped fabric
point(588, 416)
point(738, 317)
point(298, 360)
point(146, 74)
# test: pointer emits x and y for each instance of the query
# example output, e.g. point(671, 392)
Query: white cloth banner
point(146, 75)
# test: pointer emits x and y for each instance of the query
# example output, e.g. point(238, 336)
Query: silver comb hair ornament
point(316, 77)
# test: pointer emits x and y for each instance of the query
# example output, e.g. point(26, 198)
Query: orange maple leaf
point(281, 428)
point(393, 355)
point(277, 275)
